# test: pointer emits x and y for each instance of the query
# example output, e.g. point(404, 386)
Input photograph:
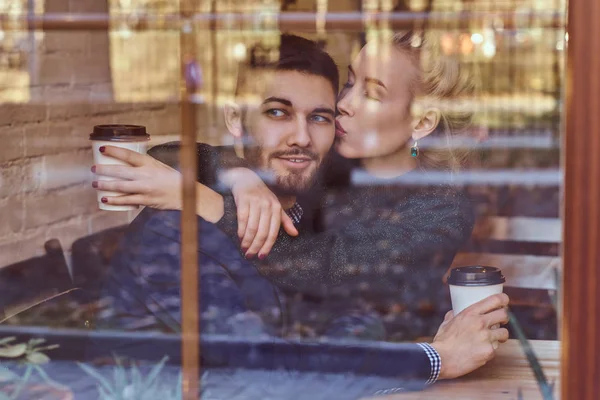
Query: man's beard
point(290, 184)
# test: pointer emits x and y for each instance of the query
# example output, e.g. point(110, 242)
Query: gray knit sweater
point(386, 242)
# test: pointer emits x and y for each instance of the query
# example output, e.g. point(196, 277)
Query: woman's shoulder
point(430, 201)
point(447, 196)
point(446, 208)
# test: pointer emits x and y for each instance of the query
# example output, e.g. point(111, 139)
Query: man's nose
point(300, 136)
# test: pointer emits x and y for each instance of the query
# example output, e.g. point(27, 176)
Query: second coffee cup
point(469, 285)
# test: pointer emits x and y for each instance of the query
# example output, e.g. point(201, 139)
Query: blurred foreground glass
point(383, 238)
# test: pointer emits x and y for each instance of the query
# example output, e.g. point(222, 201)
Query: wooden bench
point(526, 249)
point(28, 284)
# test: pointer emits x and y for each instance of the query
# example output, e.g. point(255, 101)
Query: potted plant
point(19, 365)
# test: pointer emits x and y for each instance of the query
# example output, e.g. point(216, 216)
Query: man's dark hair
point(299, 54)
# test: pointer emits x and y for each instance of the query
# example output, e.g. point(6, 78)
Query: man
point(303, 83)
point(286, 124)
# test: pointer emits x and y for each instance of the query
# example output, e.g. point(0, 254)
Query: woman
point(387, 243)
point(390, 239)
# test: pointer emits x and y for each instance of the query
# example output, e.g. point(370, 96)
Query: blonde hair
point(442, 81)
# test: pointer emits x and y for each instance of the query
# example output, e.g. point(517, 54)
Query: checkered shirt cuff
point(295, 213)
point(434, 360)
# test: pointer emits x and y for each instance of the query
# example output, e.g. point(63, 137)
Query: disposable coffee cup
point(131, 137)
point(469, 285)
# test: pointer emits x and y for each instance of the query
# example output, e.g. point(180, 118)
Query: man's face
point(291, 127)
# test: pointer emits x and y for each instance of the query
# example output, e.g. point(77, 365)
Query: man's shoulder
point(150, 232)
point(156, 229)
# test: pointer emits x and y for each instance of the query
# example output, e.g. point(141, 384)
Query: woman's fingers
point(288, 224)
point(120, 186)
point(117, 171)
point(127, 200)
point(273, 232)
point(262, 232)
point(251, 228)
point(243, 214)
point(129, 156)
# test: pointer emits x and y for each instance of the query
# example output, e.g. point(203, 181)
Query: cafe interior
point(482, 181)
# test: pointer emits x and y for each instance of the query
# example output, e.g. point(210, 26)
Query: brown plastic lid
point(476, 275)
point(120, 133)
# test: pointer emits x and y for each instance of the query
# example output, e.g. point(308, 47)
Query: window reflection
point(445, 154)
point(18, 50)
point(140, 73)
point(134, 53)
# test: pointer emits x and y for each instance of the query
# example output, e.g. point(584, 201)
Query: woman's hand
point(260, 213)
point(144, 181)
point(148, 182)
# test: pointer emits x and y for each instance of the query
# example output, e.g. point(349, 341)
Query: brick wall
point(45, 154)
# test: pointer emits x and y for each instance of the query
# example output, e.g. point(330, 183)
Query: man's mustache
point(294, 152)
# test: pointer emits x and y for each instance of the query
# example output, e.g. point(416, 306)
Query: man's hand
point(465, 342)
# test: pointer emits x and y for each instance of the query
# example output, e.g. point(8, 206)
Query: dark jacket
point(364, 242)
point(235, 298)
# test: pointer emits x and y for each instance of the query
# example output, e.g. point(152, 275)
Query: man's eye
point(348, 84)
point(320, 118)
point(275, 112)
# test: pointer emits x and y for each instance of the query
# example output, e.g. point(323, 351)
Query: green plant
point(31, 354)
point(130, 383)
point(31, 351)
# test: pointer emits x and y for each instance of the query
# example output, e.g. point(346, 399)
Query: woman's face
point(374, 105)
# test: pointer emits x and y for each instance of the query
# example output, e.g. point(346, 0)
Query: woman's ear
point(427, 123)
point(233, 120)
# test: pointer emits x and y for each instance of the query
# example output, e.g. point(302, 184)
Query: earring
point(414, 150)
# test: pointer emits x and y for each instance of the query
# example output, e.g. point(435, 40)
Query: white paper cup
point(469, 285)
point(131, 137)
point(464, 296)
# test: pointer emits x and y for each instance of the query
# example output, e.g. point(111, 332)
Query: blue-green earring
point(414, 150)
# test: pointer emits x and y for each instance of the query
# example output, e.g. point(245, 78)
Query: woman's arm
point(151, 182)
point(211, 160)
point(415, 234)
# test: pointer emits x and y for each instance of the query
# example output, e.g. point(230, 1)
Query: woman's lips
point(339, 131)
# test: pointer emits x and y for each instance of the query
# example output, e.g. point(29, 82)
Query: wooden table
point(501, 378)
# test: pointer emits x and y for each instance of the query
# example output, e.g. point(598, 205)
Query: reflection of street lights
point(124, 30)
point(489, 49)
point(13, 48)
point(489, 43)
point(239, 51)
point(477, 38)
point(322, 6)
point(11, 8)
